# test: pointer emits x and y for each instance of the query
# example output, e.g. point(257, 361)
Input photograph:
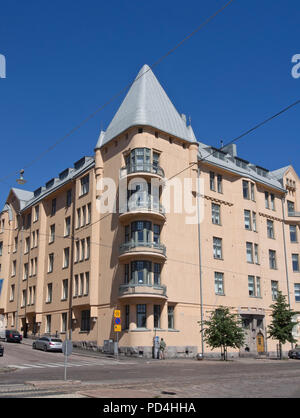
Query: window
point(12, 293)
point(155, 161)
point(49, 293)
point(27, 245)
point(64, 322)
point(219, 184)
point(67, 226)
point(82, 243)
point(140, 272)
point(254, 221)
point(89, 213)
point(249, 252)
point(267, 200)
point(274, 289)
point(15, 245)
point(50, 263)
point(247, 219)
point(272, 259)
point(69, 198)
point(66, 257)
point(77, 251)
point(81, 284)
point(126, 273)
point(297, 292)
point(245, 189)
point(126, 317)
point(295, 262)
point(293, 233)
point(156, 234)
point(291, 207)
point(52, 234)
point(272, 200)
point(254, 286)
point(36, 213)
point(141, 231)
point(141, 316)
point(88, 248)
point(85, 320)
point(75, 285)
point(212, 181)
point(252, 191)
point(270, 229)
point(215, 213)
point(25, 276)
point(170, 317)
point(53, 207)
point(217, 247)
point(156, 315)
point(78, 218)
point(83, 215)
point(48, 324)
point(65, 289)
point(219, 283)
point(85, 183)
point(1, 247)
point(156, 274)
point(14, 268)
point(87, 284)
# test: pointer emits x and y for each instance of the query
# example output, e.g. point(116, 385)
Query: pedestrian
point(162, 348)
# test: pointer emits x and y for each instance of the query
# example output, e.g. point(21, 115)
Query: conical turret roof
point(146, 103)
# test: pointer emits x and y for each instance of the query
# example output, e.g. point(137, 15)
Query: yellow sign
point(117, 328)
point(117, 313)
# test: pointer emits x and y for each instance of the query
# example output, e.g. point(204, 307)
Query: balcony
point(293, 216)
point(148, 207)
point(133, 248)
point(153, 170)
point(134, 290)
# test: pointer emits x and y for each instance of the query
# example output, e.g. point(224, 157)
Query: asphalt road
point(249, 378)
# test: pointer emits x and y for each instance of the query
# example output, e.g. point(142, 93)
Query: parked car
point(48, 344)
point(295, 353)
point(13, 336)
point(1, 350)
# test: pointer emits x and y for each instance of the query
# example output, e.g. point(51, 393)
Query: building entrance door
point(260, 343)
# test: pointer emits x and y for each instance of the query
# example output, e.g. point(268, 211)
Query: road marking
point(33, 365)
point(18, 366)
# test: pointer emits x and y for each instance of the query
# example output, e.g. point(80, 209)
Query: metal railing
point(135, 287)
point(131, 245)
point(142, 168)
point(293, 213)
point(143, 205)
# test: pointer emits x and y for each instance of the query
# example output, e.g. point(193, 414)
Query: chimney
point(230, 149)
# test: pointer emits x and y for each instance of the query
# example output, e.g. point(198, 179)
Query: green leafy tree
point(223, 330)
point(282, 323)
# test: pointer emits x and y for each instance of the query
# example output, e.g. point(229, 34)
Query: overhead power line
point(123, 90)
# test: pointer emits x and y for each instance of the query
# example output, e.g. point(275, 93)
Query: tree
point(223, 330)
point(282, 322)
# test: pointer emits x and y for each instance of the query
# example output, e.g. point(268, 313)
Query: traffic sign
point(117, 313)
point(67, 347)
point(117, 321)
point(117, 328)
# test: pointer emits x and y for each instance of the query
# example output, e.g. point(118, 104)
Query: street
point(30, 373)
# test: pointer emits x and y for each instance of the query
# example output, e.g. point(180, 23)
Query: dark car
point(13, 336)
point(1, 350)
point(295, 353)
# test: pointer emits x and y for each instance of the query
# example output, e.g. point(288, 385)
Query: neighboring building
point(66, 266)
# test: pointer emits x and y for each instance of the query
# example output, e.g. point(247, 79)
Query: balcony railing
point(132, 245)
point(142, 288)
point(147, 205)
point(142, 168)
point(293, 214)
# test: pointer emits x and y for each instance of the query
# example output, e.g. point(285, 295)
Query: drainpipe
point(285, 254)
point(200, 262)
point(70, 321)
point(20, 262)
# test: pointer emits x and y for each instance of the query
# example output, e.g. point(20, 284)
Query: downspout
point(285, 254)
point(70, 322)
point(200, 262)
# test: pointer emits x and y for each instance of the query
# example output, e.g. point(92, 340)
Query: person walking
point(162, 348)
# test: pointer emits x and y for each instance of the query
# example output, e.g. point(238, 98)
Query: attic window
point(156, 134)
point(49, 183)
point(79, 163)
point(140, 130)
point(64, 174)
point(171, 140)
point(261, 171)
point(37, 192)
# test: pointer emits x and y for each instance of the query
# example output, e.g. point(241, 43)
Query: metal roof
point(146, 103)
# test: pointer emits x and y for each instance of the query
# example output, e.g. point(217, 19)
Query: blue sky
point(65, 59)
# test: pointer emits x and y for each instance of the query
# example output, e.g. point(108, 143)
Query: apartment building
point(196, 228)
